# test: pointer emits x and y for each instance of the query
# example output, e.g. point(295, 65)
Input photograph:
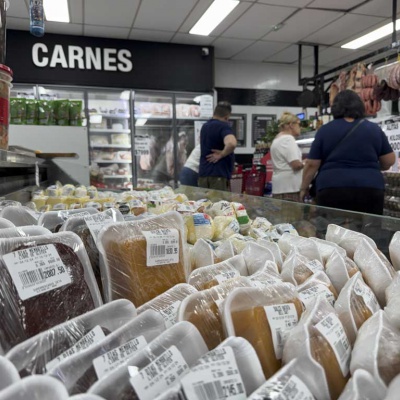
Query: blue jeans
point(188, 177)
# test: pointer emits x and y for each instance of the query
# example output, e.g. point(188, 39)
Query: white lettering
point(93, 60)
point(35, 55)
point(75, 54)
point(58, 57)
point(125, 64)
point(109, 59)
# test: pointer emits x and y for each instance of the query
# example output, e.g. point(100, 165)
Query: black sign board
point(100, 62)
point(238, 123)
point(259, 126)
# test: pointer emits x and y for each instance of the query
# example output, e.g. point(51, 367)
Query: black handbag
point(313, 185)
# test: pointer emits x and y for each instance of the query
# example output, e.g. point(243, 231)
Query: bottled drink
point(36, 17)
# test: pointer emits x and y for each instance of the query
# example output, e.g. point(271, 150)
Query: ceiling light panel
point(56, 10)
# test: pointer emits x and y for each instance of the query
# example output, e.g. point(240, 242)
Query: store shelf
point(117, 176)
point(9, 159)
point(152, 118)
point(95, 130)
point(112, 161)
point(111, 146)
point(113, 116)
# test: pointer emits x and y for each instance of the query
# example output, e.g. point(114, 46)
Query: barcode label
point(225, 276)
point(308, 295)
point(96, 222)
point(94, 336)
point(314, 266)
point(36, 270)
point(215, 376)
point(169, 313)
point(332, 330)
point(109, 361)
point(368, 296)
point(281, 318)
point(162, 247)
point(160, 375)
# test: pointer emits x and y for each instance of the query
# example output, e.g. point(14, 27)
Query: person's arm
point(386, 161)
point(296, 165)
point(230, 144)
point(291, 152)
point(310, 169)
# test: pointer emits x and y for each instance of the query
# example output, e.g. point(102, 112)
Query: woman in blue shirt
point(349, 154)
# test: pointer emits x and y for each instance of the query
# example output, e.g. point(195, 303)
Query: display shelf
point(112, 116)
point(152, 118)
point(117, 176)
point(9, 159)
point(110, 146)
point(96, 130)
point(112, 161)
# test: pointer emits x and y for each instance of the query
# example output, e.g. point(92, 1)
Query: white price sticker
point(225, 276)
point(308, 295)
point(215, 376)
point(368, 296)
point(281, 318)
point(36, 270)
point(109, 361)
point(66, 214)
point(96, 221)
point(169, 313)
point(161, 374)
point(314, 266)
point(162, 247)
point(94, 336)
point(332, 330)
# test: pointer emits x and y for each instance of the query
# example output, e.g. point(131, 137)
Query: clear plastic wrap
point(168, 303)
point(8, 373)
point(326, 249)
point(221, 208)
point(296, 268)
point(321, 336)
point(35, 388)
point(275, 250)
point(392, 308)
point(347, 239)
point(286, 228)
point(143, 259)
point(256, 256)
point(242, 217)
point(356, 303)
point(54, 345)
point(199, 226)
point(202, 254)
point(156, 368)
point(340, 269)
point(5, 223)
point(361, 386)
point(224, 251)
point(306, 247)
point(263, 317)
point(80, 371)
point(20, 216)
point(212, 275)
point(298, 380)
point(393, 389)
point(202, 310)
point(44, 281)
point(85, 396)
point(239, 242)
point(174, 393)
point(266, 276)
point(259, 226)
point(21, 231)
point(376, 269)
point(225, 227)
point(377, 349)
point(394, 251)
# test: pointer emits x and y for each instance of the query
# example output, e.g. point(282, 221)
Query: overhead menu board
point(259, 126)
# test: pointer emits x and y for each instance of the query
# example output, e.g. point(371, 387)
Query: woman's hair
point(287, 118)
point(348, 104)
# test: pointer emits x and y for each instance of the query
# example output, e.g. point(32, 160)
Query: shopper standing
point(217, 144)
point(349, 154)
point(287, 159)
point(190, 172)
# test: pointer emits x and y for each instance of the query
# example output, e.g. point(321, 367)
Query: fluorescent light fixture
point(372, 36)
point(56, 10)
point(215, 14)
point(141, 122)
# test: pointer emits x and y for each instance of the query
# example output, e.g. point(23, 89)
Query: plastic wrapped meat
point(326, 249)
point(394, 250)
point(340, 269)
point(306, 247)
point(8, 373)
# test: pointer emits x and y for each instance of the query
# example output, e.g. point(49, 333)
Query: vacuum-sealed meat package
point(340, 269)
point(394, 250)
point(306, 247)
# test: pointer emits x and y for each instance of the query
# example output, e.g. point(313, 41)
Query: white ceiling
point(246, 34)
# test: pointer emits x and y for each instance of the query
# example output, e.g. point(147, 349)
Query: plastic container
point(80, 371)
point(6, 76)
point(21, 231)
point(181, 345)
point(36, 17)
point(5, 223)
point(20, 216)
point(32, 356)
point(39, 297)
point(8, 373)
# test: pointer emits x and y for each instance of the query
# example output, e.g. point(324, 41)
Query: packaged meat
point(356, 303)
point(340, 269)
point(144, 258)
point(394, 250)
point(393, 389)
point(255, 257)
point(41, 274)
point(224, 251)
point(239, 242)
point(202, 254)
point(377, 349)
point(320, 335)
point(47, 349)
point(80, 371)
point(21, 231)
point(5, 223)
point(156, 368)
point(20, 215)
point(326, 249)
point(8, 373)
point(199, 226)
point(305, 247)
point(137, 207)
point(266, 276)
point(225, 227)
point(202, 310)
point(275, 250)
point(85, 396)
point(376, 269)
point(174, 393)
point(263, 317)
point(168, 303)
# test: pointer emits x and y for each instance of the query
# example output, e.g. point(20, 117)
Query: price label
point(66, 214)
point(36, 270)
point(161, 374)
point(142, 146)
point(109, 361)
point(314, 266)
point(97, 221)
point(162, 247)
point(308, 295)
point(169, 313)
point(225, 276)
point(332, 330)
point(368, 296)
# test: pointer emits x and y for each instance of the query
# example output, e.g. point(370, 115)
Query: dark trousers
point(188, 177)
point(214, 182)
point(365, 200)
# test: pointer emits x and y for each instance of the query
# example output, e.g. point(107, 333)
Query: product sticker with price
point(162, 247)
point(97, 221)
point(170, 312)
point(308, 295)
point(36, 270)
point(368, 296)
point(225, 276)
point(67, 214)
point(314, 266)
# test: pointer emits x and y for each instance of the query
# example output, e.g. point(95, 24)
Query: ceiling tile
point(303, 24)
point(227, 48)
point(333, 56)
point(290, 54)
point(200, 8)
point(344, 29)
point(257, 21)
point(148, 35)
point(337, 4)
point(119, 13)
point(18, 9)
point(380, 8)
point(76, 11)
point(106, 31)
point(63, 29)
point(163, 15)
point(186, 38)
point(260, 51)
point(379, 44)
point(18, 23)
point(291, 3)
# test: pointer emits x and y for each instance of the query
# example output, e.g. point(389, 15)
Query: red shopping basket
point(236, 182)
point(254, 181)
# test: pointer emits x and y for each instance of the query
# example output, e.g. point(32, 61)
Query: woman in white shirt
point(286, 158)
point(190, 171)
